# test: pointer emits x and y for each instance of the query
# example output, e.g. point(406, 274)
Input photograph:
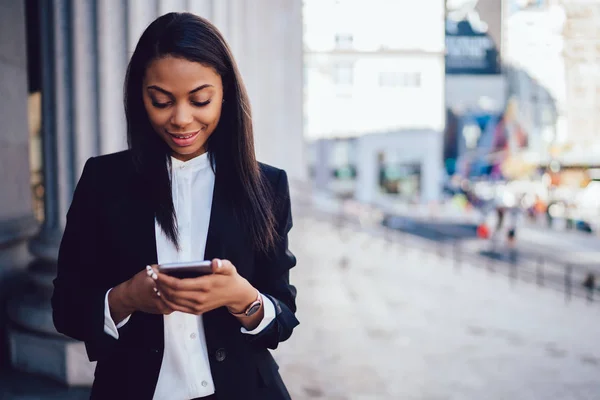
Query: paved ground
point(399, 323)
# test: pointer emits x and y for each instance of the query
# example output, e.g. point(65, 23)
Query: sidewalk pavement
point(400, 323)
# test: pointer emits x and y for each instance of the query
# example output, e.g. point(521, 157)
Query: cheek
point(208, 116)
point(157, 117)
point(216, 115)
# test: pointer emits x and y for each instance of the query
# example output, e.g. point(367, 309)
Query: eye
point(161, 105)
point(201, 104)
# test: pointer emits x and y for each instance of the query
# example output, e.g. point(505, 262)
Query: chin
point(188, 153)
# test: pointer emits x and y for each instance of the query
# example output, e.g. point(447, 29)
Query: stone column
point(323, 173)
point(86, 45)
point(17, 223)
point(69, 134)
point(274, 42)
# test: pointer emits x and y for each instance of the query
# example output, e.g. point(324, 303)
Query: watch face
point(253, 308)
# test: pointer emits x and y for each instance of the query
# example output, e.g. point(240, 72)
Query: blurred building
point(374, 87)
point(475, 95)
point(78, 53)
point(581, 59)
point(551, 61)
point(535, 69)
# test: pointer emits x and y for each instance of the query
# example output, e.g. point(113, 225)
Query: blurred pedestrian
point(590, 284)
point(500, 211)
point(189, 188)
point(511, 233)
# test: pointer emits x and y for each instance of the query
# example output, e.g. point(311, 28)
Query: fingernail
point(219, 263)
point(154, 276)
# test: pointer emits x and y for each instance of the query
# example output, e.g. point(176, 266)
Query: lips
point(184, 139)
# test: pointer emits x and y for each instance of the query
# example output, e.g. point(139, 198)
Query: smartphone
point(189, 269)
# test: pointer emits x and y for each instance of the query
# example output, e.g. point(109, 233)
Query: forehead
point(175, 74)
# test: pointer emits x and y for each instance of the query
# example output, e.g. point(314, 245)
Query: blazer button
point(220, 355)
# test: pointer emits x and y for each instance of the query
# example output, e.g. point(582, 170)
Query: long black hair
point(230, 147)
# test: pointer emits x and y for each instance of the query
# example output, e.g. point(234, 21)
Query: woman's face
point(183, 100)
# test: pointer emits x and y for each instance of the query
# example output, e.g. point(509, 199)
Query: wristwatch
point(252, 308)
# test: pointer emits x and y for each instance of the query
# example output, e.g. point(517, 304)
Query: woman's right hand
point(136, 294)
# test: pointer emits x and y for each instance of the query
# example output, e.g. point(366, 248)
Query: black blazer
point(109, 237)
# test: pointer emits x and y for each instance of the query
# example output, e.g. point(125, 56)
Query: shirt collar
point(196, 163)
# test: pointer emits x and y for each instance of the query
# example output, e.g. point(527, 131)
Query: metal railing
point(545, 272)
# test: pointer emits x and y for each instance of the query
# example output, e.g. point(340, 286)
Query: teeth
point(184, 137)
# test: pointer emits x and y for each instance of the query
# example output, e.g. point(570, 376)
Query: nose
point(182, 116)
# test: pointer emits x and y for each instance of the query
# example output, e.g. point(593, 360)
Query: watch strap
point(252, 308)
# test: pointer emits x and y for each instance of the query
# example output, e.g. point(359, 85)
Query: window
point(343, 41)
point(400, 79)
point(343, 73)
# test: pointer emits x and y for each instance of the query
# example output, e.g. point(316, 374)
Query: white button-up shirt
point(185, 370)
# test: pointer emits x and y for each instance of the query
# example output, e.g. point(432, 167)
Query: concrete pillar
point(17, 223)
point(202, 8)
point(277, 102)
point(113, 57)
point(140, 13)
point(367, 173)
point(322, 165)
point(70, 133)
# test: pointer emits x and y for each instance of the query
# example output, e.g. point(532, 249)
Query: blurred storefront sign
point(473, 37)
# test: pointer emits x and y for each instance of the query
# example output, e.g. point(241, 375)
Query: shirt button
point(204, 383)
point(193, 336)
point(220, 355)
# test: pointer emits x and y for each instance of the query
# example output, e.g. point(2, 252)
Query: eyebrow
point(171, 94)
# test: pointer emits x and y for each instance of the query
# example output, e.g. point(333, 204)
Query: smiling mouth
point(183, 135)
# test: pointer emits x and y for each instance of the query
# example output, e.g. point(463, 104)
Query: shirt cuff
point(109, 325)
point(268, 317)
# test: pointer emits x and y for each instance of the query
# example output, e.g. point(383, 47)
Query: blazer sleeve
point(78, 298)
point(273, 274)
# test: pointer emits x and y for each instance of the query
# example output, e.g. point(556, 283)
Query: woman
point(189, 188)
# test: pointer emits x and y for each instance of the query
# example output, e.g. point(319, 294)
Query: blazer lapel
point(215, 238)
point(225, 238)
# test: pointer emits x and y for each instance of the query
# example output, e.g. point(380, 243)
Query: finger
point(222, 267)
point(178, 295)
point(185, 303)
point(187, 284)
point(152, 271)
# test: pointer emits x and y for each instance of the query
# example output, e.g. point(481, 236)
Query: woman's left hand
point(224, 287)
